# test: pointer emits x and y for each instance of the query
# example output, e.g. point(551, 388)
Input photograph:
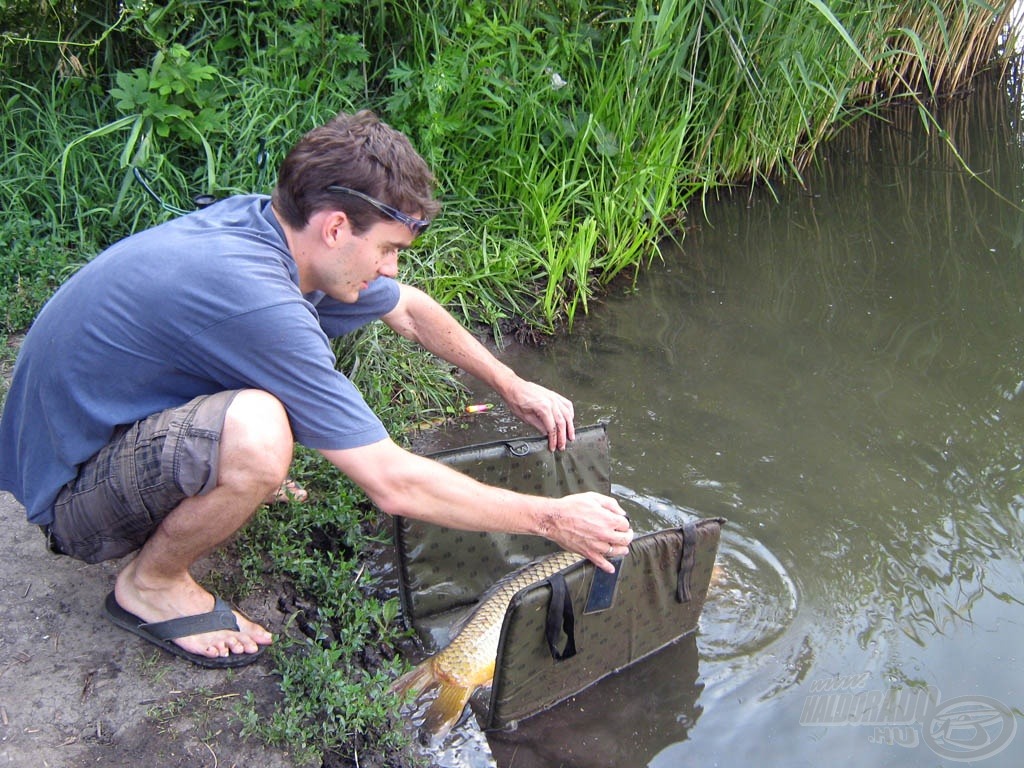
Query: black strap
point(686, 561)
point(221, 617)
point(560, 619)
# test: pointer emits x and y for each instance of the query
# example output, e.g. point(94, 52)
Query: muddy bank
point(77, 691)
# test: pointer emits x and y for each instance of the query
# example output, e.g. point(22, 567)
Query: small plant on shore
point(334, 706)
point(336, 660)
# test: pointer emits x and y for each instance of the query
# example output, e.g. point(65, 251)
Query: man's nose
point(389, 265)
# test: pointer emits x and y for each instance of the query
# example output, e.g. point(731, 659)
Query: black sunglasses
point(416, 226)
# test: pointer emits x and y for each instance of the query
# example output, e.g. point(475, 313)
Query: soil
point(77, 691)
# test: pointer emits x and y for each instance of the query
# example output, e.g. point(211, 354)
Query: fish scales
point(467, 662)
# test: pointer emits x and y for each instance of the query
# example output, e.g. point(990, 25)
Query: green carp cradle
point(467, 662)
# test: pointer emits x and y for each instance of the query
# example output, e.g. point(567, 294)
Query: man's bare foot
point(188, 598)
point(289, 491)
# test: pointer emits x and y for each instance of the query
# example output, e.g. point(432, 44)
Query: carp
point(467, 662)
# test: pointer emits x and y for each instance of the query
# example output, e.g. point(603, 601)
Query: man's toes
point(289, 491)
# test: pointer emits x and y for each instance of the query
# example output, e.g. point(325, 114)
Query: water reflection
point(853, 347)
point(835, 368)
point(624, 720)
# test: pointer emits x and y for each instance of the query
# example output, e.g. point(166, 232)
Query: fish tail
point(446, 709)
point(416, 681)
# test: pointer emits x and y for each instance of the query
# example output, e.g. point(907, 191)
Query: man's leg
point(255, 453)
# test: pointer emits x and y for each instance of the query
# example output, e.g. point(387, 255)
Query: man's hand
point(592, 525)
point(419, 318)
point(546, 411)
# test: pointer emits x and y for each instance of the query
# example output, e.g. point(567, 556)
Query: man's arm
point(402, 483)
point(419, 318)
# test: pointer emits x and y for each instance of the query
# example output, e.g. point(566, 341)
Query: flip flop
point(163, 633)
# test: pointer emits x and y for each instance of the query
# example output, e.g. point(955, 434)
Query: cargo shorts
point(123, 493)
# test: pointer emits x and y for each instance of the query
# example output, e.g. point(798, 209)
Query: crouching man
point(158, 395)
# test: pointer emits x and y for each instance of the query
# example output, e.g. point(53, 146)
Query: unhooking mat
point(550, 648)
point(441, 569)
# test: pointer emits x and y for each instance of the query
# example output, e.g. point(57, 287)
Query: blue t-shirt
point(204, 303)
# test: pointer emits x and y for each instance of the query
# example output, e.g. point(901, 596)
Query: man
point(157, 397)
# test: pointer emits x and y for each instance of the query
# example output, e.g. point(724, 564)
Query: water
point(837, 370)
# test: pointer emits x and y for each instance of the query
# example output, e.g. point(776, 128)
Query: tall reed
point(568, 136)
point(934, 48)
point(581, 132)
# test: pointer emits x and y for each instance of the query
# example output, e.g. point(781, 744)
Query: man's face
point(347, 267)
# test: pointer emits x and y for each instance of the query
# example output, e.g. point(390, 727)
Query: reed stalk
point(569, 135)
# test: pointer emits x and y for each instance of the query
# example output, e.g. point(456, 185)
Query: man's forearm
point(402, 483)
point(423, 320)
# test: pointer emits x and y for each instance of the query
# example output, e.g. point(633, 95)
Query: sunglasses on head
point(416, 226)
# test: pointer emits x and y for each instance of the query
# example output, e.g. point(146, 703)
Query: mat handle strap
point(560, 619)
point(687, 557)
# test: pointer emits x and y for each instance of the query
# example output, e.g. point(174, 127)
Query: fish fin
point(416, 681)
point(446, 709)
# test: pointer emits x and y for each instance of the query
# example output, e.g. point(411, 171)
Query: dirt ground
point(77, 691)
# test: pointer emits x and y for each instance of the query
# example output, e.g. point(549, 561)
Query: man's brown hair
point(360, 152)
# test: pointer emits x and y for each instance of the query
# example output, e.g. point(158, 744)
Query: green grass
point(336, 700)
point(568, 138)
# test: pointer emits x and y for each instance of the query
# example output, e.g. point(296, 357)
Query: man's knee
point(257, 436)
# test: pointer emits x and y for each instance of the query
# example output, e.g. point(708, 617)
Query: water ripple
point(751, 601)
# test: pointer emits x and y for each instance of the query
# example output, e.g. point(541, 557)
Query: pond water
point(836, 369)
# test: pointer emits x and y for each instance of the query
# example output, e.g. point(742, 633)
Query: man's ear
point(335, 227)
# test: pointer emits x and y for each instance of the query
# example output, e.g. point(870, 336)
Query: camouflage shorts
point(123, 492)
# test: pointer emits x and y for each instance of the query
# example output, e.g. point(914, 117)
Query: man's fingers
point(602, 561)
point(558, 435)
point(615, 543)
point(555, 442)
point(550, 413)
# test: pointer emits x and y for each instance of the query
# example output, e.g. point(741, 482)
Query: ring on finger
point(609, 552)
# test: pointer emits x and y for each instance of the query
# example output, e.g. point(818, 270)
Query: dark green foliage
point(335, 678)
